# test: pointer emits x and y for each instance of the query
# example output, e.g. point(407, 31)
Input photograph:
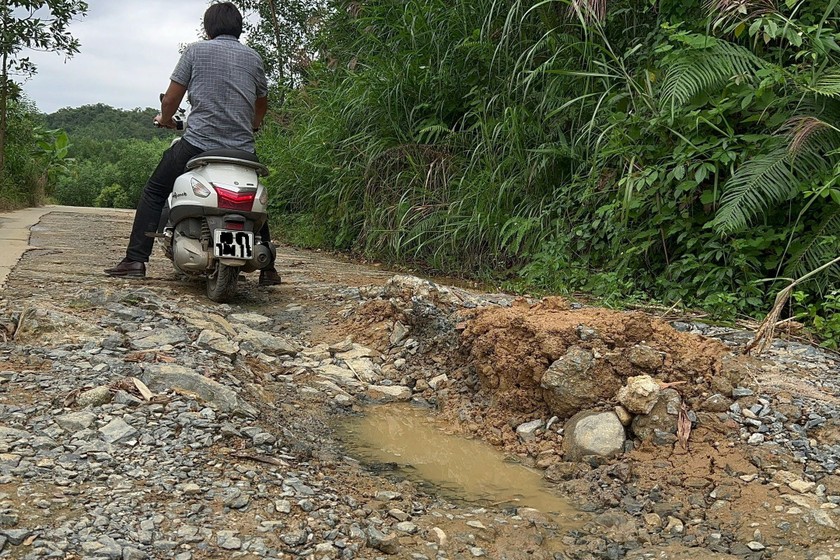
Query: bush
point(24, 176)
point(113, 196)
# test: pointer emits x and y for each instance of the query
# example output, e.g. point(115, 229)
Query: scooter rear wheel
point(221, 285)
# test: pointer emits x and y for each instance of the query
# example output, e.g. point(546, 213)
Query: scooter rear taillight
point(232, 200)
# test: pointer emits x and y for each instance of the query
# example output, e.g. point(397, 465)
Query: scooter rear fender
point(215, 216)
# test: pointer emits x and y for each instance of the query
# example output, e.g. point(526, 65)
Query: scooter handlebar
point(179, 123)
point(178, 118)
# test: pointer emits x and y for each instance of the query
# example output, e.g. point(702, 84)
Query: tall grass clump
point(685, 151)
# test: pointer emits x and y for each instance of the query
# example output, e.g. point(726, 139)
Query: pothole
point(460, 469)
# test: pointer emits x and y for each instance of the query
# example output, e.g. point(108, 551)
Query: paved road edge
point(15, 233)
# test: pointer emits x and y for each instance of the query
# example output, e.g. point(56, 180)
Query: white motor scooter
point(210, 224)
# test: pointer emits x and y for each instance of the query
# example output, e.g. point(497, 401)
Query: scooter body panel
point(214, 215)
point(221, 175)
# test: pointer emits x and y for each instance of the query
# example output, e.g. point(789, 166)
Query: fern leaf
point(820, 247)
point(761, 183)
point(828, 84)
point(696, 70)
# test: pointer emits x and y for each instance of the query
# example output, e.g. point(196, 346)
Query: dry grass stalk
point(741, 9)
point(764, 335)
point(801, 129)
point(589, 10)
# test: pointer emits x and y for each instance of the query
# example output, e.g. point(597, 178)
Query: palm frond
point(730, 10)
point(827, 84)
point(763, 182)
point(822, 245)
point(707, 68)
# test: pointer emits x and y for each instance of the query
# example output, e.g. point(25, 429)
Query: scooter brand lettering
point(178, 195)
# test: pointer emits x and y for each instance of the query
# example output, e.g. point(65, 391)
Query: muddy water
point(459, 468)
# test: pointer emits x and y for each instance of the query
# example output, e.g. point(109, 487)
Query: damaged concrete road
point(140, 420)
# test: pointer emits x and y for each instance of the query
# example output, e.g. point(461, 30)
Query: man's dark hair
point(222, 19)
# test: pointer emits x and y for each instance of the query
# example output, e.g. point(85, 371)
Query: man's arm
point(170, 103)
point(260, 109)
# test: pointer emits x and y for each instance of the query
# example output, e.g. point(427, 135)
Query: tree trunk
point(4, 91)
point(277, 41)
point(4, 98)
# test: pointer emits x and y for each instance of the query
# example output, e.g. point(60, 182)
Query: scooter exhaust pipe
point(264, 254)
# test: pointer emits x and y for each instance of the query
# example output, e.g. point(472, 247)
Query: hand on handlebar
point(160, 124)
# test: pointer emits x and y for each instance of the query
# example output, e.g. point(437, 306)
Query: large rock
point(56, 327)
point(593, 433)
point(732, 371)
point(146, 340)
point(364, 369)
point(94, 397)
point(398, 334)
point(75, 421)
point(251, 319)
point(117, 429)
point(218, 343)
point(389, 544)
point(210, 321)
point(12, 434)
point(716, 403)
point(411, 286)
point(345, 377)
point(639, 395)
point(574, 383)
point(645, 357)
point(165, 377)
point(388, 393)
point(528, 430)
point(662, 417)
point(357, 351)
point(253, 340)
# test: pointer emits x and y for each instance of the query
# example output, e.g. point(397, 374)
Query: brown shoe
point(269, 277)
point(127, 269)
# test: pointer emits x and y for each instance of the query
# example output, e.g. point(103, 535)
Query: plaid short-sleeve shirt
point(224, 78)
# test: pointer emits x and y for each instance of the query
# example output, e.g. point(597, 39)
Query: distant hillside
point(102, 123)
point(113, 150)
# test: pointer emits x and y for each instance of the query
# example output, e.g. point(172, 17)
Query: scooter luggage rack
point(200, 161)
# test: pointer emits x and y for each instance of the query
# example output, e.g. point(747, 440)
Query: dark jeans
point(157, 190)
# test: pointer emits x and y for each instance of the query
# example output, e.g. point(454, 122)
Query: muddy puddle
point(459, 469)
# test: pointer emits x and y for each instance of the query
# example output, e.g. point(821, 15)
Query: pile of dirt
point(518, 373)
point(512, 362)
point(513, 348)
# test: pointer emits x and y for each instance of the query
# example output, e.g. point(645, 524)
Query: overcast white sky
point(129, 48)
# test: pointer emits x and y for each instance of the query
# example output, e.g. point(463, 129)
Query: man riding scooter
point(228, 95)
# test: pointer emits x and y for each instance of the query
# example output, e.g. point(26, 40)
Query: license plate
point(233, 244)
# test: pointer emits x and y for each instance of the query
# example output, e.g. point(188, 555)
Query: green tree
point(52, 147)
point(113, 196)
point(284, 34)
point(102, 124)
point(84, 182)
point(135, 164)
point(34, 25)
point(24, 170)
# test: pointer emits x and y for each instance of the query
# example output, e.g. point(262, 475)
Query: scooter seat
point(237, 157)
